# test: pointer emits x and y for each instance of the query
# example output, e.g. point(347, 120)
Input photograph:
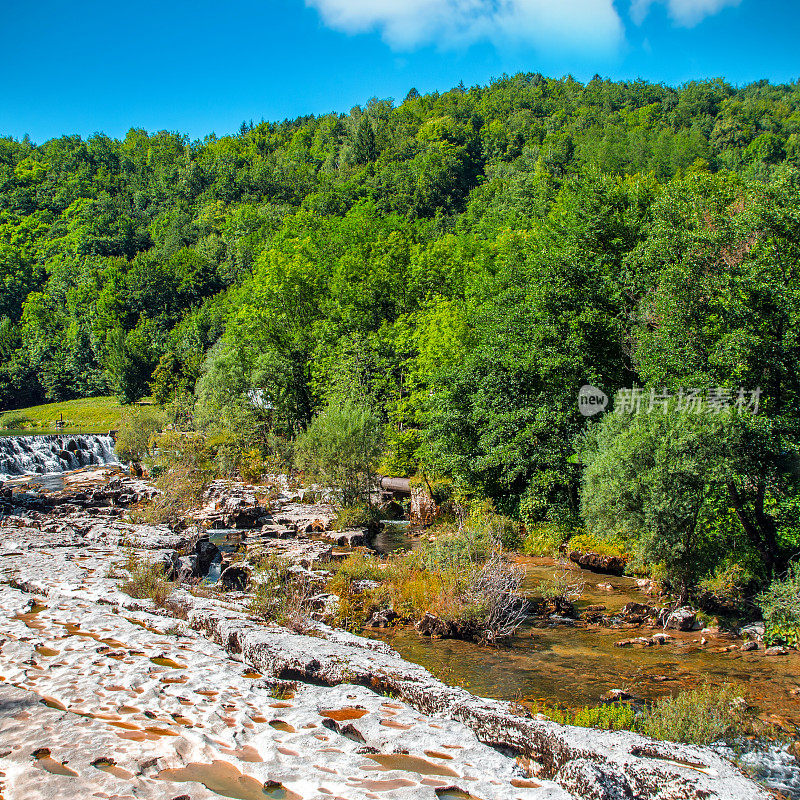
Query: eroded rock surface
point(103, 695)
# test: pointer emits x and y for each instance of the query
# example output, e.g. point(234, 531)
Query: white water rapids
point(48, 454)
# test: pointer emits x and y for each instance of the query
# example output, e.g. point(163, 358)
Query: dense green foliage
point(462, 263)
point(780, 605)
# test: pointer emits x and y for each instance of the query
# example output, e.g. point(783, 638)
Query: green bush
point(355, 516)
point(183, 467)
point(280, 595)
point(780, 606)
point(458, 549)
point(610, 716)
point(602, 545)
point(138, 427)
point(544, 539)
point(359, 567)
point(700, 716)
point(147, 580)
point(12, 420)
point(341, 448)
point(499, 529)
point(727, 589)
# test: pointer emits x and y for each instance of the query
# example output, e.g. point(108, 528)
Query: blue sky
point(205, 66)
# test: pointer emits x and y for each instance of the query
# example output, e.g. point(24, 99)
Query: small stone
point(746, 646)
point(778, 650)
point(616, 696)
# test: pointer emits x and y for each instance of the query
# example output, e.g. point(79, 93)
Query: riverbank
point(86, 415)
point(108, 693)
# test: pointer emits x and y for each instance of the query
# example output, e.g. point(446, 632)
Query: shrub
point(147, 580)
point(565, 586)
point(355, 516)
point(727, 590)
point(780, 606)
point(14, 420)
point(341, 448)
point(610, 716)
point(503, 531)
point(252, 465)
point(137, 429)
point(281, 594)
point(458, 549)
point(700, 716)
point(604, 546)
point(183, 466)
point(360, 567)
point(470, 599)
point(544, 539)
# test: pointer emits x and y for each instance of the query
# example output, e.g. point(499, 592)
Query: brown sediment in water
point(225, 779)
point(51, 702)
point(406, 763)
point(49, 764)
point(434, 754)
point(74, 629)
point(29, 618)
point(110, 766)
point(390, 723)
point(344, 714)
point(165, 661)
point(280, 725)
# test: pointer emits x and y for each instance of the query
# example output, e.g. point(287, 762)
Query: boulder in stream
point(610, 565)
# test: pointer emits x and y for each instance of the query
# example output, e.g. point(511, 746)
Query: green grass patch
point(91, 414)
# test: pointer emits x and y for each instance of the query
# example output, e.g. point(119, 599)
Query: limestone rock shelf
point(103, 695)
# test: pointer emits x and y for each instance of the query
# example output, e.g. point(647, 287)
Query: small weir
point(49, 454)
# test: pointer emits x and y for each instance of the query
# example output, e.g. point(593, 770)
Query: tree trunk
point(758, 525)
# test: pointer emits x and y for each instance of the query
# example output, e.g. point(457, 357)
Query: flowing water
point(575, 665)
point(51, 454)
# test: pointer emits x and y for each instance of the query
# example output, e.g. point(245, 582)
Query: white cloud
point(684, 12)
point(547, 24)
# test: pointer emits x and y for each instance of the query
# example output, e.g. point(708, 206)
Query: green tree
point(341, 448)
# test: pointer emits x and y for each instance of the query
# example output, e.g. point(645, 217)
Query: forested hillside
point(463, 261)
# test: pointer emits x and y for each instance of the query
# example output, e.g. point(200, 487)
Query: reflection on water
point(393, 538)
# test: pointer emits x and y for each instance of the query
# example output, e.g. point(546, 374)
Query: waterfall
point(39, 455)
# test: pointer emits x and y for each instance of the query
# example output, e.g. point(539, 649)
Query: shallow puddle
point(164, 661)
point(29, 618)
point(109, 765)
point(224, 779)
point(49, 764)
point(399, 761)
point(280, 725)
point(344, 714)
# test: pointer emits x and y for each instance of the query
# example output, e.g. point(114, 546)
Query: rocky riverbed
point(103, 695)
